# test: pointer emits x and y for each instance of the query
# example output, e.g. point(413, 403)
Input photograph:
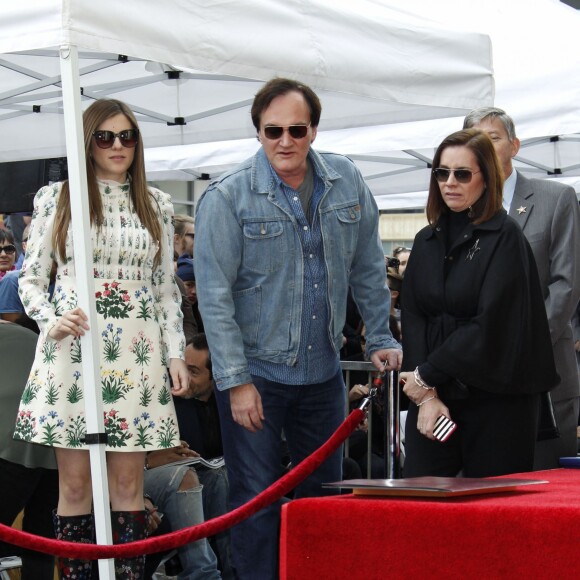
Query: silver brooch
point(473, 250)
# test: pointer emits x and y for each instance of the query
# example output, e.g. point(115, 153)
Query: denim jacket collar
point(263, 180)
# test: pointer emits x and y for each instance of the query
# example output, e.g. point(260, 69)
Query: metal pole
point(392, 428)
point(347, 410)
point(82, 244)
point(369, 368)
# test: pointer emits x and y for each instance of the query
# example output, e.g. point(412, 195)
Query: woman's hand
point(414, 391)
point(179, 377)
point(429, 412)
point(71, 323)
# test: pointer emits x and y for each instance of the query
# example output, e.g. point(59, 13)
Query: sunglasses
point(106, 139)
point(8, 250)
point(295, 131)
point(461, 175)
point(192, 236)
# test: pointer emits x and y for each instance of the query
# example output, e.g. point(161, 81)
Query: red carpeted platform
point(530, 533)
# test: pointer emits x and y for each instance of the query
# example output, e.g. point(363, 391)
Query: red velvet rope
point(187, 535)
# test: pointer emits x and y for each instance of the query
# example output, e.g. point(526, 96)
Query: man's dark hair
point(199, 342)
point(280, 86)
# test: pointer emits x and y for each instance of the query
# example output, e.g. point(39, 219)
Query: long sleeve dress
point(140, 328)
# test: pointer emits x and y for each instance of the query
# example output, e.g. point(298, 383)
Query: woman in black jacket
point(476, 339)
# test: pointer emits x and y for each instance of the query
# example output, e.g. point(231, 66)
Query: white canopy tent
point(383, 68)
point(536, 52)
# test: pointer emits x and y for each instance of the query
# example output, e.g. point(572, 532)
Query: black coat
point(477, 313)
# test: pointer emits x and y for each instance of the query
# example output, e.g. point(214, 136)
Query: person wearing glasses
point(476, 337)
point(141, 340)
point(549, 216)
point(7, 253)
point(279, 240)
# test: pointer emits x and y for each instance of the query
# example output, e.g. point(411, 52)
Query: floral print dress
point(140, 328)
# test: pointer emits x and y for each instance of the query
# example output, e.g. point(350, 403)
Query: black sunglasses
point(192, 236)
point(8, 250)
point(461, 175)
point(295, 131)
point(106, 139)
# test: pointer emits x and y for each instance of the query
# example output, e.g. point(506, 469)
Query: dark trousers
point(36, 492)
point(549, 451)
point(307, 415)
point(494, 436)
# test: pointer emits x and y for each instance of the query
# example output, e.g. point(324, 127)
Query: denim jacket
point(249, 265)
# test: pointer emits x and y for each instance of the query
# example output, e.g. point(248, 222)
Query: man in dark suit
point(549, 215)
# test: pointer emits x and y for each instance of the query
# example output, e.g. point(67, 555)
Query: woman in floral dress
point(139, 327)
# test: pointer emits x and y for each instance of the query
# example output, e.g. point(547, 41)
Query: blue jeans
point(183, 509)
point(215, 503)
point(307, 415)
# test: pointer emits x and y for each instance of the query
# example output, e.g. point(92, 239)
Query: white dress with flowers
point(140, 328)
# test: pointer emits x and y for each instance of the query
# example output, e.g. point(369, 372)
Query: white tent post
point(81, 230)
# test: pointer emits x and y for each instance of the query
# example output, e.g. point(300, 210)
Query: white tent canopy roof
point(369, 69)
point(536, 56)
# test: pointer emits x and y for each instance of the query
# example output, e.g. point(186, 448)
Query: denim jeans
point(183, 509)
point(307, 415)
point(215, 503)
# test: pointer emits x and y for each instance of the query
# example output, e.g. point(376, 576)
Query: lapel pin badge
point(473, 250)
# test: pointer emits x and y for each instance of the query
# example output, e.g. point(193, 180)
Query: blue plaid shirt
point(317, 359)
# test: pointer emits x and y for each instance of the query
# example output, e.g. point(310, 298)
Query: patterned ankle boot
point(79, 529)
point(129, 527)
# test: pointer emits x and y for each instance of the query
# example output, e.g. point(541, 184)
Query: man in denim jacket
point(279, 240)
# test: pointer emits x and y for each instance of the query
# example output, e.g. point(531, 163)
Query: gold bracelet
point(427, 400)
point(420, 381)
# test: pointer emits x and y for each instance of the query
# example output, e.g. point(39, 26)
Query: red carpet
point(530, 533)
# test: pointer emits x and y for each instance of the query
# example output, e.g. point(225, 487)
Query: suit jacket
point(550, 221)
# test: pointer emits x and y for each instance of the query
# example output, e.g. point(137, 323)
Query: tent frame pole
point(82, 244)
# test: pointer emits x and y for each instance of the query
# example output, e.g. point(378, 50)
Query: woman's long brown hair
point(481, 146)
point(142, 200)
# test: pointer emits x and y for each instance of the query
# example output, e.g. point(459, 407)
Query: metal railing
point(388, 394)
